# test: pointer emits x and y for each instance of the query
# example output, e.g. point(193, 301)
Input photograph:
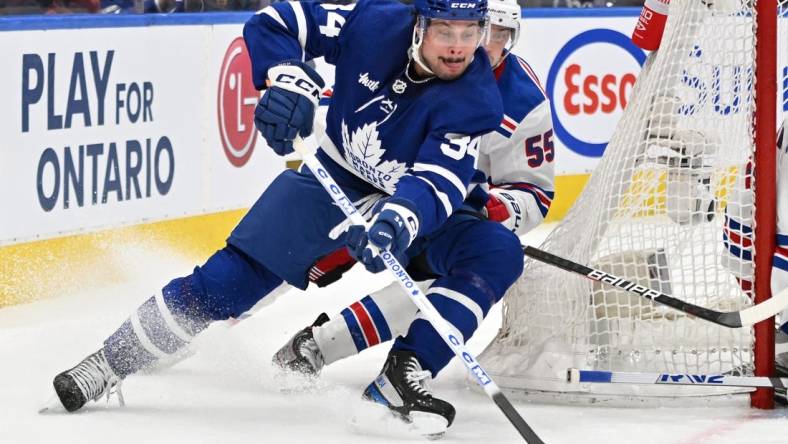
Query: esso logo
point(235, 104)
point(591, 93)
point(589, 84)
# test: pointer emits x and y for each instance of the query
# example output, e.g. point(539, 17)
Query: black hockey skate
point(301, 354)
point(401, 386)
point(780, 393)
point(89, 380)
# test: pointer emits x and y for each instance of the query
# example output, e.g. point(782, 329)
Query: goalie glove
point(503, 207)
point(687, 154)
point(287, 107)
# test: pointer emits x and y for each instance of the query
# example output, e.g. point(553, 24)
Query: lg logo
point(236, 100)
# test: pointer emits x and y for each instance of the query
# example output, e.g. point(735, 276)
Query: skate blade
point(429, 425)
point(51, 405)
point(375, 419)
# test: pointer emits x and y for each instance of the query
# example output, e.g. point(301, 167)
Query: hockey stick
point(452, 338)
point(574, 375)
point(731, 319)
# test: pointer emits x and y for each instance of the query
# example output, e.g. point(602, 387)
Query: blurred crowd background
point(17, 7)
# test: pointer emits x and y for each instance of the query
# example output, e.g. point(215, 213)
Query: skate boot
point(89, 380)
point(401, 386)
point(301, 354)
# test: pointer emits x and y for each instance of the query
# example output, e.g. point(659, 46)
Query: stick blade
point(764, 310)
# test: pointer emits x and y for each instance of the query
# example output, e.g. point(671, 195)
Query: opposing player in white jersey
point(738, 239)
point(518, 157)
point(780, 260)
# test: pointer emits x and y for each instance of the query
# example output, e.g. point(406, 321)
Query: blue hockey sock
point(463, 302)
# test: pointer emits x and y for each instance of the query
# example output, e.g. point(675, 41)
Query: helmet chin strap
point(415, 50)
point(504, 53)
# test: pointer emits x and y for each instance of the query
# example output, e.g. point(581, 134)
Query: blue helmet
point(452, 10)
point(427, 10)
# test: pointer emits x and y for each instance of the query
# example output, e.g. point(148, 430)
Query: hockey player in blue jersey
point(518, 157)
point(403, 124)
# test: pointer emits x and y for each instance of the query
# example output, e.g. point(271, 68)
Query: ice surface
point(227, 392)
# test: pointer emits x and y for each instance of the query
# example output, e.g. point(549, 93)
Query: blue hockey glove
point(394, 228)
point(288, 106)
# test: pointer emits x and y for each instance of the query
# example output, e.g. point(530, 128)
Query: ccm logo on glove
point(287, 108)
point(291, 78)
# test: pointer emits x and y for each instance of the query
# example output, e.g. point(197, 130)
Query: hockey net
point(679, 163)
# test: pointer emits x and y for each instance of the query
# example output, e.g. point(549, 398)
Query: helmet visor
point(455, 33)
point(501, 35)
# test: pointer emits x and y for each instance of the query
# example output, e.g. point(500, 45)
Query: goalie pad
point(690, 198)
point(648, 268)
point(686, 154)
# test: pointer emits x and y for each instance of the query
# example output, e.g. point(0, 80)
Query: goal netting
point(671, 205)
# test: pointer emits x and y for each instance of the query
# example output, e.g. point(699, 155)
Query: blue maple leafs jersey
point(417, 141)
point(519, 156)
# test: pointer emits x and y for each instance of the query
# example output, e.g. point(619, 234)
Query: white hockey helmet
point(506, 13)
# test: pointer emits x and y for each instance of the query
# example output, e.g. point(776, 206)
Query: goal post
point(674, 205)
point(764, 137)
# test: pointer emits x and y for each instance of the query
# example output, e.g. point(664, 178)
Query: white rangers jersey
point(738, 230)
point(519, 156)
point(780, 262)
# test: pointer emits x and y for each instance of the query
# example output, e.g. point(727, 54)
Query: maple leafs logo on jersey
point(363, 151)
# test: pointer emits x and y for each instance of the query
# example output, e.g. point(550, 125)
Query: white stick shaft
point(600, 376)
point(449, 334)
